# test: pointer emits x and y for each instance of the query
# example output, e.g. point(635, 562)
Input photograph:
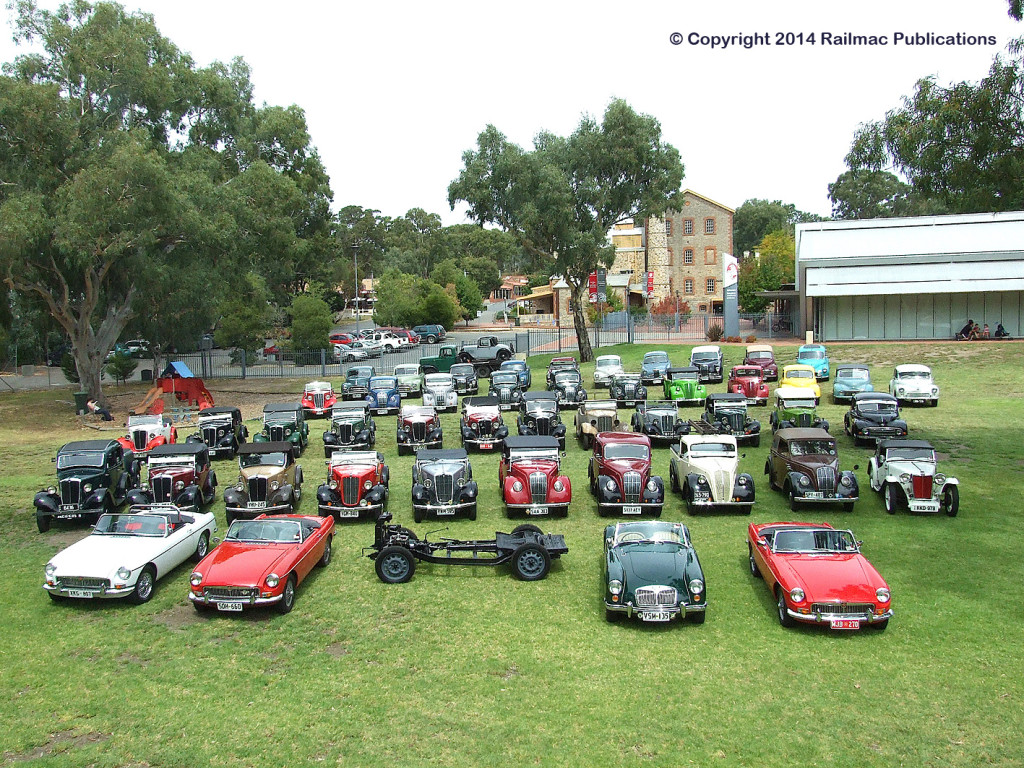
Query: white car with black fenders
point(914, 384)
point(906, 473)
point(128, 551)
point(705, 468)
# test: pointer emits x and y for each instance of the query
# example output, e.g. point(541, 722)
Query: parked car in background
point(178, 474)
point(521, 369)
point(800, 376)
point(804, 464)
point(652, 573)
point(874, 416)
point(817, 575)
point(816, 356)
point(340, 338)
point(763, 356)
point(482, 426)
point(726, 414)
point(419, 426)
point(659, 420)
point(318, 398)
point(284, 422)
point(621, 477)
point(93, 477)
point(748, 380)
point(384, 398)
point(914, 384)
point(538, 416)
point(795, 407)
point(567, 387)
point(708, 360)
point(906, 473)
point(147, 431)
point(356, 486)
point(430, 334)
point(352, 429)
point(627, 390)
point(486, 355)
point(439, 391)
point(347, 353)
point(705, 469)
point(606, 367)
point(654, 367)
point(269, 480)
point(558, 364)
point(465, 379)
point(221, 430)
point(410, 379)
point(682, 385)
point(387, 341)
point(261, 562)
point(127, 552)
point(357, 382)
point(410, 338)
point(530, 477)
point(850, 379)
point(443, 485)
point(594, 417)
point(506, 388)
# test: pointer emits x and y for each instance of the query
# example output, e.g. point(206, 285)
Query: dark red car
point(748, 380)
point(763, 357)
point(482, 426)
point(620, 475)
point(530, 477)
point(261, 562)
point(341, 338)
point(419, 426)
point(818, 575)
point(409, 336)
point(178, 474)
point(356, 487)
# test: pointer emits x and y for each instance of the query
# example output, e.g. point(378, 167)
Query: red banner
point(650, 284)
point(592, 286)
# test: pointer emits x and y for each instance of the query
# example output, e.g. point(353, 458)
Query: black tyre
point(431, 339)
point(794, 504)
point(202, 547)
point(784, 618)
point(526, 527)
point(418, 514)
point(756, 443)
point(325, 558)
point(688, 498)
point(879, 625)
point(394, 565)
point(752, 562)
point(481, 371)
point(891, 497)
point(55, 597)
point(287, 601)
point(504, 354)
point(43, 524)
point(144, 587)
point(472, 512)
point(847, 506)
point(950, 500)
point(698, 617)
point(229, 517)
point(673, 481)
point(530, 562)
point(610, 616)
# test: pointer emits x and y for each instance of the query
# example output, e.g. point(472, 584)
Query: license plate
point(537, 511)
point(486, 446)
point(80, 593)
point(654, 615)
point(256, 505)
point(814, 495)
point(845, 624)
point(348, 513)
point(68, 507)
point(382, 411)
point(632, 509)
point(234, 607)
point(445, 511)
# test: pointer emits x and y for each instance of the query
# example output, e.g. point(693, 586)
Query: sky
point(395, 92)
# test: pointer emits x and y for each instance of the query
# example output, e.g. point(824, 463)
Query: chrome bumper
point(202, 599)
point(256, 511)
point(349, 513)
point(821, 618)
point(675, 611)
point(96, 593)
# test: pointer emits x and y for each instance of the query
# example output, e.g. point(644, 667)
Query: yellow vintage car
point(800, 376)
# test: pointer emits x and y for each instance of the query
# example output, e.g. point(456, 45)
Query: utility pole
point(355, 279)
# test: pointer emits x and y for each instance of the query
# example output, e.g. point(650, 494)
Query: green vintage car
point(683, 386)
point(652, 572)
point(284, 422)
point(410, 379)
point(794, 407)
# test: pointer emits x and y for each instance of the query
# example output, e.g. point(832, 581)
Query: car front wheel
point(951, 500)
point(144, 586)
point(784, 618)
point(287, 601)
point(891, 499)
point(394, 565)
point(203, 547)
point(325, 558)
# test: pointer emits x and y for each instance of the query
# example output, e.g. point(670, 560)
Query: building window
point(688, 285)
point(671, 257)
point(668, 227)
point(711, 286)
point(687, 226)
point(709, 226)
point(702, 308)
point(688, 256)
point(710, 255)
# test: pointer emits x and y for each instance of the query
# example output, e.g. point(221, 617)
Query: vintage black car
point(505, 386)
point(482, 426)
point(465, 379)
point(352, 429)
point(538, 415)
point(559, 364)
point(93, 477)
point(874, 416)
point(726, 413)
point(567, 387)
point(357, 382)
point(626, 389)
point(221, 429)
point(284, 421)
point(659, 420)
point(443, 485)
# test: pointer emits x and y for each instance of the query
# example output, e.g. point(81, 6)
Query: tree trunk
point(579, 319)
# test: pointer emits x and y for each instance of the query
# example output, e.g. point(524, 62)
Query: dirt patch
point(58, 742)
point(179, 617)
point(131, 660)
point(337, 650)
point(64, 539)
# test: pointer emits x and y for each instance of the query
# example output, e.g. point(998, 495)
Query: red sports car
point(818, 575)
point(748, 380)
point(261, 562)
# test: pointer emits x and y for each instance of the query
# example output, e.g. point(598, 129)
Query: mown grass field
point(471, 667)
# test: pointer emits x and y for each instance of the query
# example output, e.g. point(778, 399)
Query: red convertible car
point(818, 575)
point(748, 380)
point(261, 562)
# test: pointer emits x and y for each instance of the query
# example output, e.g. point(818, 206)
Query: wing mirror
point(216, 541)
point(856, 467)
point(608, 541)
point(762, 541)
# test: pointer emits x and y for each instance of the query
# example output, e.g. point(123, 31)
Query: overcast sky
point(395, 92)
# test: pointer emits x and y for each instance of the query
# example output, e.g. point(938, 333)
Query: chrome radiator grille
point(350, 490)
point(344, 432)
point(445, 488)
point(229, 593)
point(139, 439)
point(276, 433)
point(802, 420)
point(418, 430)
point(484, 427)
point(604, 423)
point(162, 488)
point(505, 395)
point(826, 479)
point(257, 489)
point(723, 490)
point(631, 485)
point(842, 609)
point(542, 425)
point(318, 399)
point(668, 424)
point(656, 596)
point(630, 390)
point(83, 582)
point(71, 491)
point(538, 487)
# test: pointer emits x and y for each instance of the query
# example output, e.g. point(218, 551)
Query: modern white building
point(910, 278)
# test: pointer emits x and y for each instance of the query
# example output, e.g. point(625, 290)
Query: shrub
point(121, 366)
point(751, 339)
point(714, 332)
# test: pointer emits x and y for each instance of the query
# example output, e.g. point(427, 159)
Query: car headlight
point(558, 486)
point(696, 586)
point(240, 487)
point(702, 480)
point(144, 487)
point(220, 433)
point(652, 486)
point(52, 489)
point(905, 477)
point(123, 572)
point(901, 391)
point(87, 488)
point(796, 595)
point(804, 481)
point(741, 480)
point(935, 390)
point(615, 587)
point(332, 484)
point(517, 486)
point(845, 481)
point(180, 485)
point(273, 580)
point(367, 485)
point(939, 479)
point(427, 483)
point(610, 485)
point(195, 579)
point(882, 594)
point(274, 485)
point(287, 431)
point(50, 569)
point(462, 482)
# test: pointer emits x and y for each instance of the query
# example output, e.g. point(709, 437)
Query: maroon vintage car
point(356, 487)
point(419, 426)
point(620, 475)
point(482, 425)
point(530, 478)
point(748, 380)
point(179, 474)
point(763, 357)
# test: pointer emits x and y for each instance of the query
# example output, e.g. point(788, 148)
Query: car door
point(779, 460)
point(115, 470)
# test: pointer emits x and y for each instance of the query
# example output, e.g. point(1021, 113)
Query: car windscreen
point(407, 370)
point(800, 374)
point(627, 451)
point(513, 365)
point(815, 540)
point(792, 402)
point(504, 378)
point(656, 357)
point(910, 454)
point(687, 376)
point(265, 531)
point(609, 363)
point(878, 406)
point(713, 449)
point(131, 525)
point(913, 375)
point(854, 374)
point(704, 356)
point(383, 384)
point(812, 448)
point(461, 370)
point(275, 459)
point(760, 356)
point(357, 373)
point(89, 459)
point(442, 380)
point(648, 533)
point(811, 354)
point(567, 377)
point(541, 406)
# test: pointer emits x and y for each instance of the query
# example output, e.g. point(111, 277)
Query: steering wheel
point(631, 536)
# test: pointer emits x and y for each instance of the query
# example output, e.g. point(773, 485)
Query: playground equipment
point(179, 381)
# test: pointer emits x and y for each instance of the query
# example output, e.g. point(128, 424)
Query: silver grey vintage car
point(443, 485)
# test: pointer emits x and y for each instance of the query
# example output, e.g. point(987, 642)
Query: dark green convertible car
point(652, 572)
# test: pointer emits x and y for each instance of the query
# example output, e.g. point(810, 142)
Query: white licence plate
point(234, 607)
point(814, 495)
point(486, 446)
point(344, 512)
point(382, 411)
point(845, 624)
point(81, 593)
point(654, 615)
point(632, 509)
point(445, 511)
point(256, 505)
point(68, 507)
point(537, 511)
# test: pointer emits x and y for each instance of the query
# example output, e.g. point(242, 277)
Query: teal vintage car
point(816, 356)
point(652, 573)
point(410, 379)
point(795, 407)
point(683, 386)
point(851, 378)
point(284, 422)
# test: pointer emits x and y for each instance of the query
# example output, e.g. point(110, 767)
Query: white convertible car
point(127, 552)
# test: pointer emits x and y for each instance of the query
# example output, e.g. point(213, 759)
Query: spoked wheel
point(144, 586)
point(203, 547)
point(395, 565)
point(784, 618)
point(891, 499)
point(287, 601)
point(753, 563)
point(951, 500)
point(325, 558)
point(530, 562)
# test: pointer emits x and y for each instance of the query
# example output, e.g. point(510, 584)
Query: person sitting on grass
point(985, 332)
point(1001, 332)
point(965, 332)
point(99, 410)
point(975, 333)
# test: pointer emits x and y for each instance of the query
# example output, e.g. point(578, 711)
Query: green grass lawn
point(471, 667)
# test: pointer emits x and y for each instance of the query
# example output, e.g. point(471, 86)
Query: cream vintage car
point(705, 468)
point(606, 367)
point(593, 417)
point(269, 482)
point(914, 384)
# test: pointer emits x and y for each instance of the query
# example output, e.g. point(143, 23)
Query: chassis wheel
point(891, 498)
point(394, 565)
point(526, 527)
point(325, 558)
point(530, 562)
point(784, 618)
point(43, 523)
point(203, 547)
point(144, 586)
point(287, 601)
point(950, 500)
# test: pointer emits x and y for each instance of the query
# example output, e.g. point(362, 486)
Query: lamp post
point(355, 280)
